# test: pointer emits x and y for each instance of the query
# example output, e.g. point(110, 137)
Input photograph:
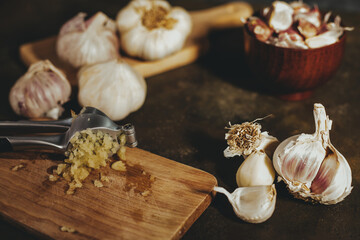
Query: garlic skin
point(152, 30)
point(311, 166)
point(114, 87)
point(252, 204)
point(40, 92)
point(83, 42)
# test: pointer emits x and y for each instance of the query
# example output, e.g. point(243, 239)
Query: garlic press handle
point(26, 126)
point(15, 143)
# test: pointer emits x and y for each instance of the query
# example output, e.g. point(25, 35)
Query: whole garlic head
point(40, 92)
point(114, 87)
point(83, 42)
point(152, 29)
point(252, 204)
point(311, 166)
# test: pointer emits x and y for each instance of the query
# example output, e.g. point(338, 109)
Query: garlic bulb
point(152, 29)
point(83, 42)
point(114, 87)
point(311, 166)
point(252, 204)
point(40, 92)
point(247, 140)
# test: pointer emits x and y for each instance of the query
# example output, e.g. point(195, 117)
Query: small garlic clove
point(300, 7)
point(252, 204)
point(280, 16)
point(307, 29)
point(259, 28)
point(256, 170)
point(40, 92)
point(333, 181)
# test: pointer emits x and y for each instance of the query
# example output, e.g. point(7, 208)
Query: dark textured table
point(187, 109)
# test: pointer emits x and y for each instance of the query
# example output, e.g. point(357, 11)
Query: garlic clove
point(114, 87)
point(256, 170)
point(333, 181)
point(311, 166)
point(252, 204)
point(40, 92)
point(280, 16)
point(87, 42)
point(259, 28)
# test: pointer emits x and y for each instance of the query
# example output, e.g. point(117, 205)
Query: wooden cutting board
point(223, 16)
point(177, 195)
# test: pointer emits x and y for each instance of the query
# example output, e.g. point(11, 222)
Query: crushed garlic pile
point(88, 150)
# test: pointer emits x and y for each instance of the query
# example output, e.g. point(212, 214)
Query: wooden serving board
point(224, 16)
point(177, 195)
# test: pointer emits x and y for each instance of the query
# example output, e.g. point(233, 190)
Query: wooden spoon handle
point(224, 16)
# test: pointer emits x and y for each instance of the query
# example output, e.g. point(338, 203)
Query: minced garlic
point(87, 150)
point(67, 229)
point(119, 166)
point(98, 183)
point(17, 167)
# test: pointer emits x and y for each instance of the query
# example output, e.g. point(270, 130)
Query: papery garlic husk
point(152, 29)
point(311, 166)
point(252, 204)
point(114, 87)
point(83, 42)
point(247, 140)
point(40, 92)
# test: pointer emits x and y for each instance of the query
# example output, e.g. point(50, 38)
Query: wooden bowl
point(291, 74)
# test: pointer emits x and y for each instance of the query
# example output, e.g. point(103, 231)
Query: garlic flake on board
point(311, 166)
point(114, 87)
point(40, 92)
point(247, 140)
point(82, 42)
point(252, 204)
point(152, 29)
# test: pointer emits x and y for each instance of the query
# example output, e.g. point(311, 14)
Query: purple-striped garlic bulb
point(83, 42)
point(311, 166)
point(40, 92)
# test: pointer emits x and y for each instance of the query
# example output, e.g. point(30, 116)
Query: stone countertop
point(186, 112)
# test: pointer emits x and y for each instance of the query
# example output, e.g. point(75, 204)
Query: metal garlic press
point(89, 118)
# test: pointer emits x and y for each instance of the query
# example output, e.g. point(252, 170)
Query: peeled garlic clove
point(324, 39)
point(252, 204)
point(311, 166)
point(259, 28)
point(300, 7)
point(114, 87)
point(280, 16)
point(256, 170)
point(307, 29)
point(152, 29)
point(40, 92)
point(83, 42)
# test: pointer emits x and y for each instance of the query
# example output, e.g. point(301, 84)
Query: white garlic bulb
point(152, 29)
point(83, 42)
point(247, 140)
point(40, 92)
point(252, 204)
point(311, 166)
point(114, 87)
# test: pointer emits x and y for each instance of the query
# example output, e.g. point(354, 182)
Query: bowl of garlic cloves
point(292, 48)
